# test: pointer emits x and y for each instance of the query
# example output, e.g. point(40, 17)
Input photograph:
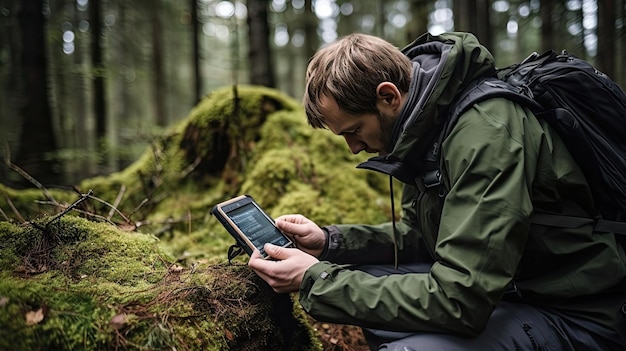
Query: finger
point(256, 254)
point(288, 227)
point(277, 252)
point(257, 262)
point(292, 218)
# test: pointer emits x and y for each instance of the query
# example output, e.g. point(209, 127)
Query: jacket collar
point(392, 166)
point(442, 65)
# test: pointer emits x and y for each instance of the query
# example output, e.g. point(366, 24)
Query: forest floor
point(339, 337)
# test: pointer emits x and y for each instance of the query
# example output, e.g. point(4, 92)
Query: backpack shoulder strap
point(485, 89)
point(477, 91)
point(561, 221)
point(482, 90)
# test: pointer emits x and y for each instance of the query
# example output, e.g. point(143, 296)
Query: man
point(475, 273)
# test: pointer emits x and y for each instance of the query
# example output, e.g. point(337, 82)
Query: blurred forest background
point(86, 85)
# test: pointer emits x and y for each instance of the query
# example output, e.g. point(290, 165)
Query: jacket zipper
point(417, 203)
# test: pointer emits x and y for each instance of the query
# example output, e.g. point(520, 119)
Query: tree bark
point(97, 60)
point(197, 73)
point(419, 23)
point(473, 16)
point(259, 56)
point(37, 135)
point(311, 40)
point(158, 71)
point(620, 74)
point(547, 25)
point(606, 37)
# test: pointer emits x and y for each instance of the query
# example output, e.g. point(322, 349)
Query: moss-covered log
point(100, 283)
point(71, 284)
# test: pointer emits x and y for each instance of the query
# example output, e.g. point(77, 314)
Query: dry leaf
point(229, 335)
point(34, 317)
point(3, 301)
point(31, 270)
point(42, 268)
point(20, 269)
point(176, 268)
point(127, 227)
point(118, 321)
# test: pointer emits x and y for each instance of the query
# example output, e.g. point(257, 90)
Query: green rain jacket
point(500, 164)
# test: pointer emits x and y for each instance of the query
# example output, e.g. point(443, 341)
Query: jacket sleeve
point(374, 244)
point(490, 159)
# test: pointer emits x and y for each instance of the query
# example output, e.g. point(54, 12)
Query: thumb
point(276, 252)
point(288, 227)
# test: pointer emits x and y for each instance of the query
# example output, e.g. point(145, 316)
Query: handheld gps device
point(251, 227)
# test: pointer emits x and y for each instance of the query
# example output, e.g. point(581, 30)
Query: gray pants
point(512, 326)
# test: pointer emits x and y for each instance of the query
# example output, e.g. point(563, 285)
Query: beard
point(386, 129)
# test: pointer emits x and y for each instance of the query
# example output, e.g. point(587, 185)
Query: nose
point(354, 143)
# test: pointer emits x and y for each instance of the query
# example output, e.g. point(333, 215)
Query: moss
point(134, 298)
point(146, 268)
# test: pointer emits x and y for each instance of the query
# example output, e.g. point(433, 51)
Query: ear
point(388, 98)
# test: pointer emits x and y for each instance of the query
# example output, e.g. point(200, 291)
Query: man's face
point(369, 132)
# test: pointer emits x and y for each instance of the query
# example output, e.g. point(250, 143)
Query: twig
point(15, 211)
point(4, 215)
point(93, 215)
point(190, 168)
point(89, 214)
point(23, 173)
point(118, 199)
point(70, 207)
point(113, 208)
point(143, 202)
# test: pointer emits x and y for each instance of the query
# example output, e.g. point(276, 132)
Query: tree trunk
point(261, 70)
point(37, 135)
point(311, 40)
point(606, 37)
point(620, 75)
point(158, 71)
point(97, 60)
point(381, 19)
point(419, 23)
point(197, 73)
point(547, 25)
point(483, 23)
point(84, 104)
point(473, 16)
point(10, 87)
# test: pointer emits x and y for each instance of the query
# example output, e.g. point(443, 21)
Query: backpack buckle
point(432, 178)
point(234, 251)
point(513, 290)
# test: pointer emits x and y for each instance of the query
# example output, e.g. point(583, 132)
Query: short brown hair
point(350, 70)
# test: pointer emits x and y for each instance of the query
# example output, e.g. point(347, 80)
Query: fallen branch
point(143, 202)
point(25, 175)
point(118, 199)
point(70, 207)
point(4, 215)
point(14, 209)
point(113, 208)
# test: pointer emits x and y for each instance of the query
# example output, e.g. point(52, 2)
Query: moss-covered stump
point(71, 284)
point(238, 140)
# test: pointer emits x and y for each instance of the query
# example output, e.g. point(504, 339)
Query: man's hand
point(307, 235)
point(285, 274)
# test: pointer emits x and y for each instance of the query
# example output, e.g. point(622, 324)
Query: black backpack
point(585, 107)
